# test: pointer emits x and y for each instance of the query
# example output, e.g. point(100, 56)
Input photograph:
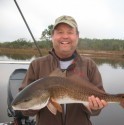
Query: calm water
point(112, 72)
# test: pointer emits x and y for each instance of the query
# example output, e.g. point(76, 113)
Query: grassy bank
point(89, 53)
point(29, 51)
point(103, 54)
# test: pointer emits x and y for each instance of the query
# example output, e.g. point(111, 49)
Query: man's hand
point(95, 103)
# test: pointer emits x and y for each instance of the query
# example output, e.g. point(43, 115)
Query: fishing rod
point(27, 26)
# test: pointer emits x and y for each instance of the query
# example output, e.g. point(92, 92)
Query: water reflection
point(17, 57)
point(115, 63)
point(113, 78)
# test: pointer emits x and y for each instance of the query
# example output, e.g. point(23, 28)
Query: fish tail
point(122, 101)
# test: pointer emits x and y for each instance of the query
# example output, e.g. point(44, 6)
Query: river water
point(112, 72)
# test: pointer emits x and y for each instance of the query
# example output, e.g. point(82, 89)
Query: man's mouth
point(64, 42)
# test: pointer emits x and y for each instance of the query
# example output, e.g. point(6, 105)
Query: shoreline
point(88, 53)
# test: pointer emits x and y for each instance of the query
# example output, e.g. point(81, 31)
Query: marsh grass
point(29, 51)
point(89, 53)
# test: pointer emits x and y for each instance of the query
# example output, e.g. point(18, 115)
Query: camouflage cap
point(66, 19)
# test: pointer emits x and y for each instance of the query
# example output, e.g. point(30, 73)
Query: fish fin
point(51, 108)
point(56, 105)
point(58, 72)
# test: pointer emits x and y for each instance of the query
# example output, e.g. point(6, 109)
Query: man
point(65, 37)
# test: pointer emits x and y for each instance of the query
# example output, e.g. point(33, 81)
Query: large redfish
point(52, 91)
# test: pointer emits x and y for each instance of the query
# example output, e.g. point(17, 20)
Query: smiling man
point(64, 56)
point(65, 36)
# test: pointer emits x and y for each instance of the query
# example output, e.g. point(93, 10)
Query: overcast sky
point(102, 19)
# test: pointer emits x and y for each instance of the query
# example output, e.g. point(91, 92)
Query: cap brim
point(66, 22)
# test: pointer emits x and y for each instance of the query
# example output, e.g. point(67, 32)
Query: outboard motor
point(15, 81)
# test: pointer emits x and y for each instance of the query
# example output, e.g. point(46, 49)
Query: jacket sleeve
point(29, 77)
point(94, 75)
point(95, 78)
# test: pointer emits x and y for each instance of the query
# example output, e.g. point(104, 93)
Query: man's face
point(65, 40)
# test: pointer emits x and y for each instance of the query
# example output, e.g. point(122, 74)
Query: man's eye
point(70, 32)
point(60, 32)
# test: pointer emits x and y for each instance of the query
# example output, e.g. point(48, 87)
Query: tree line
point(101, 44)
point(84, 44)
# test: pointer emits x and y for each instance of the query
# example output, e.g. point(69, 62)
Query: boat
point(14, 83)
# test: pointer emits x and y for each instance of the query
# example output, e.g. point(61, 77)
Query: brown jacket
point(76, 114)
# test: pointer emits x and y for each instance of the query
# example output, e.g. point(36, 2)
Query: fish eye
point(27, 99)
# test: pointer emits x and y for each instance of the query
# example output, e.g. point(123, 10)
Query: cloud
point(96, 19)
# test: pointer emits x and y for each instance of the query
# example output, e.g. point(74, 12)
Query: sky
point(99, 19)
